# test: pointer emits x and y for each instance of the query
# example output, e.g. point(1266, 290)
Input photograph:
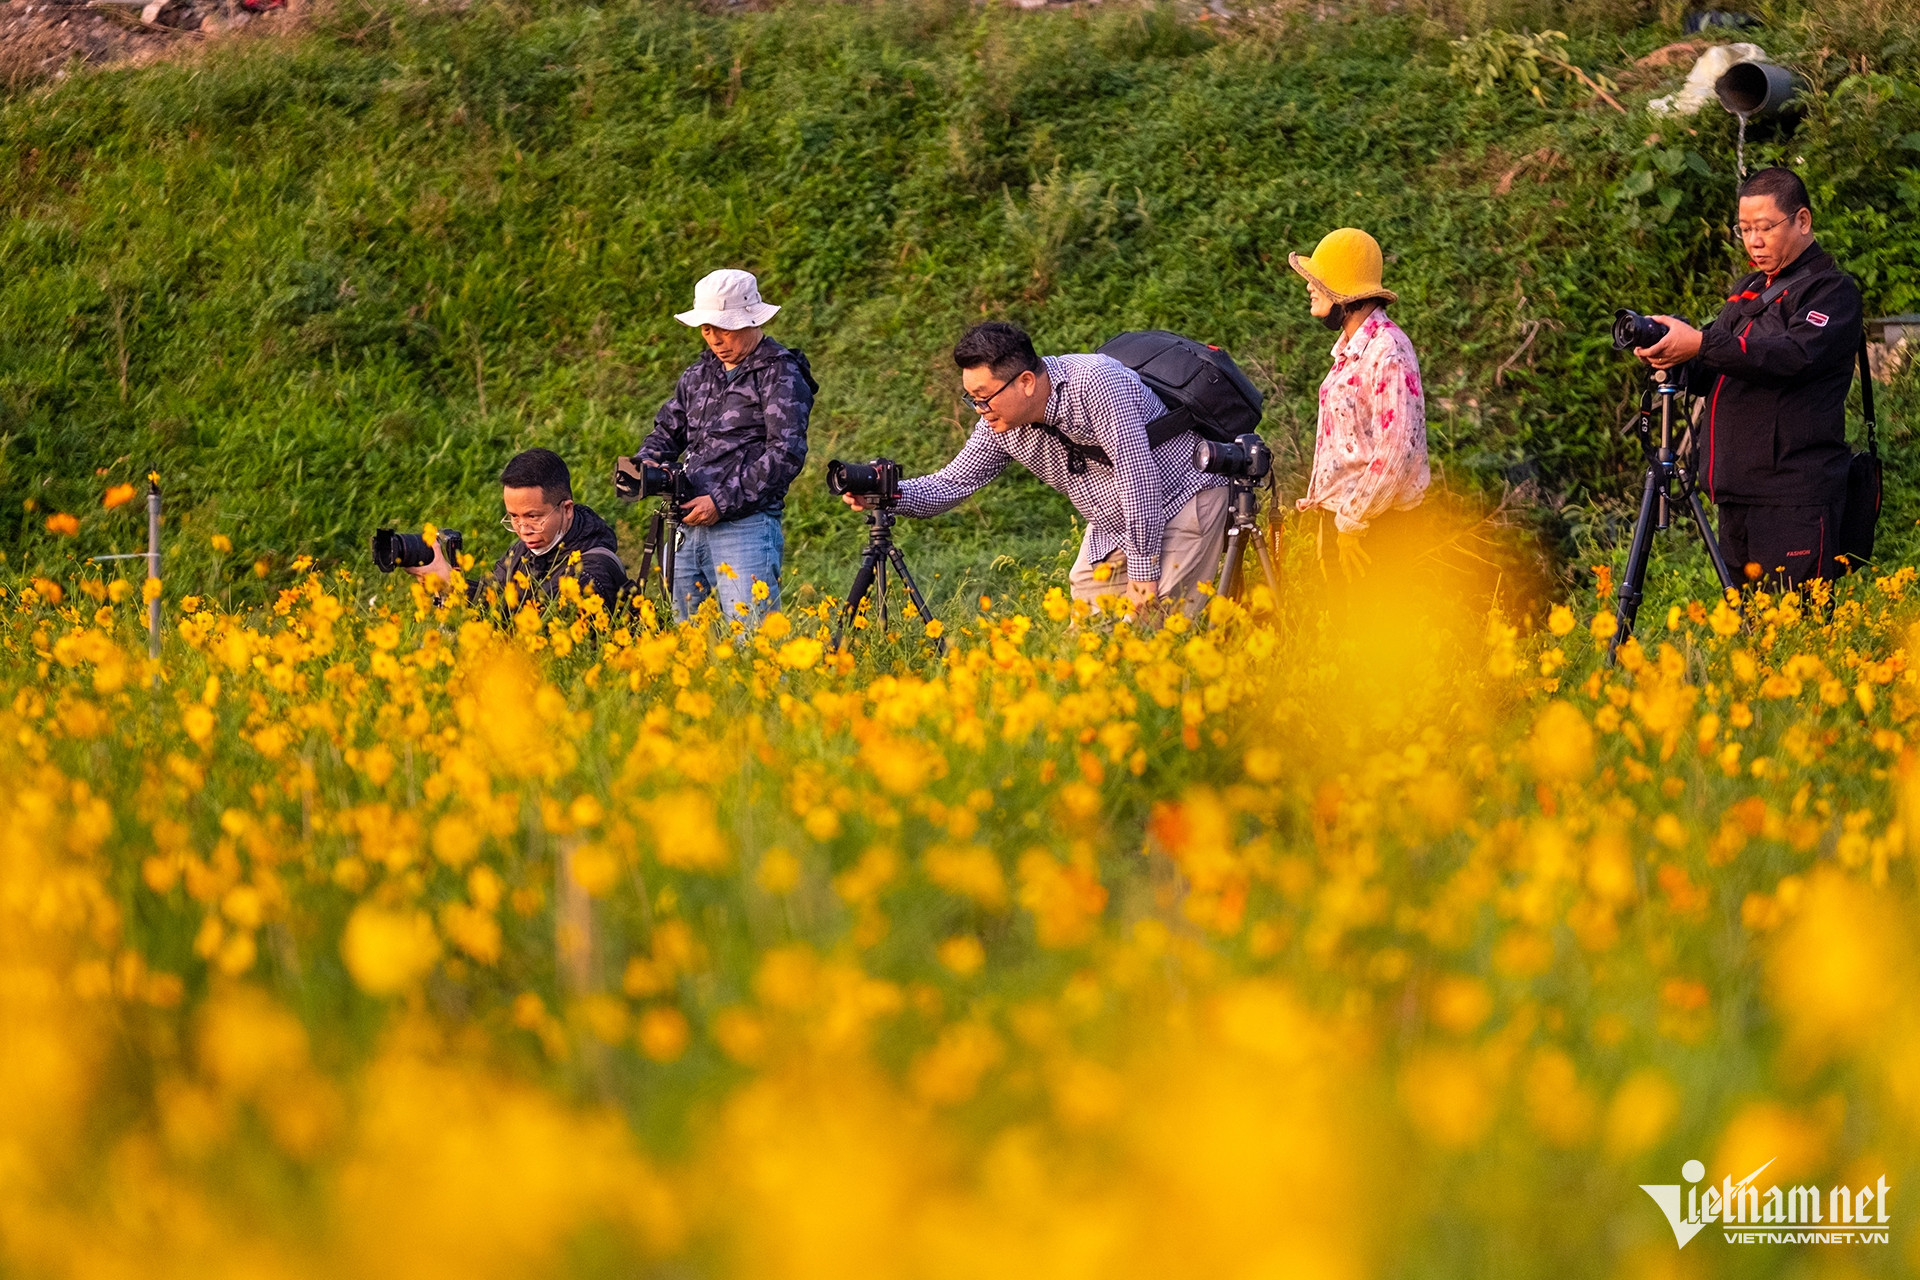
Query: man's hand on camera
point(434, 568)
point(1143, 593)
point(700, 511)
point(1681, 344)
point(860, 501)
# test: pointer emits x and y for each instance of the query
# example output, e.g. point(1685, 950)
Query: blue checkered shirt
point(1096, 400)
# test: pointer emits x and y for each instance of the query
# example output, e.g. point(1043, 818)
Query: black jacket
point(598, 570)
point(1775, 376)
point(744, 436)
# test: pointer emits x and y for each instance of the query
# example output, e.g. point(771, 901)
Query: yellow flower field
point(364, 937)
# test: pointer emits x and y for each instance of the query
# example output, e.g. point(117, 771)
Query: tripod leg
point(1266, 567)
point(1633, 582)
point(885, 621)
point(1229, 581)
point(669, 538)
point(862, 582)
point(913, 593)
point(649, 550)
point(1720, 565)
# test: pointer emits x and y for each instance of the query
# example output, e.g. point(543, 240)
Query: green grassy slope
point(335, 281)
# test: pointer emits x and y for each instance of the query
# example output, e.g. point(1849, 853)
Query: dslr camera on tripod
point(1245, 457)
point(879, 480)
point(393, 550)
point(1635, 332)
point(637, 478)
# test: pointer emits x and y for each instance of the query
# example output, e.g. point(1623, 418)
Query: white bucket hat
point(728, 299)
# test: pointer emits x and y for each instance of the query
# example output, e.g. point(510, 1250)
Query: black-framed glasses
point(980, 405)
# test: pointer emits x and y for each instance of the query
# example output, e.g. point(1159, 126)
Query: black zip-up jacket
point(1775, 376)
point(599, 569)
point(743, 432)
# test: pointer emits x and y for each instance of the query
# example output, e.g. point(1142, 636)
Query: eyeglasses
point(981, 405)
point(1755, 231)
point(517, 523)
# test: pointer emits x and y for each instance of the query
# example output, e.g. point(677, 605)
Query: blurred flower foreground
point(362, 937)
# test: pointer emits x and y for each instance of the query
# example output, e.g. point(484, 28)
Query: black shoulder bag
point(1861, 514)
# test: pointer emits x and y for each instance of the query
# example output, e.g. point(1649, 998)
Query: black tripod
point(1665, 472)
point(663, 537)
point(872, 576)
point(1243, 526)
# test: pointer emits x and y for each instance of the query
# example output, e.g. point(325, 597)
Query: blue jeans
point(726, 559)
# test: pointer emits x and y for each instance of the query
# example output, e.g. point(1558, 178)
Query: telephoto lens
point(1244, 456)
point(409, 550)
point(877, 479)
point(1633, 331)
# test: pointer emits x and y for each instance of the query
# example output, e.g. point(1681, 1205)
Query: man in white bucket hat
point(738, 421)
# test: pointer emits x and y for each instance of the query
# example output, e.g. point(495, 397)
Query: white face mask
point(551, 542)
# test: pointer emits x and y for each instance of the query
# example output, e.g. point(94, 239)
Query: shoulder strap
point(1772, 295)
point(1866, 397)
point(1078, 455)
point(604, 554)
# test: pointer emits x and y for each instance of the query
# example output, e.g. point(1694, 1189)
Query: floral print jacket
point(1370, 455)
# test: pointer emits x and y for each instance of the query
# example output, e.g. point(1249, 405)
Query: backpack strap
point(1866, 398)
point(605, 554)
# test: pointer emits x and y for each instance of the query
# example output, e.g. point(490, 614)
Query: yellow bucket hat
point(1346, 263)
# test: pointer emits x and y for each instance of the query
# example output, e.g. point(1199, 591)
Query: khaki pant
point(1189, 554)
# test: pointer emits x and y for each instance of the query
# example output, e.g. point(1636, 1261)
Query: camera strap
point(1078, 454)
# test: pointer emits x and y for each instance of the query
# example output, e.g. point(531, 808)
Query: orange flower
point(63, 524)
point(118, 496)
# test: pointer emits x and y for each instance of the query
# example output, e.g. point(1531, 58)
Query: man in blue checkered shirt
point(1155, 522)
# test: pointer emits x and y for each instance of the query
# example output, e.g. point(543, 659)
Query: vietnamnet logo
point(1790, 1215)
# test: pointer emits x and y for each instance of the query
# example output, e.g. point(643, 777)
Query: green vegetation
point(327, 282)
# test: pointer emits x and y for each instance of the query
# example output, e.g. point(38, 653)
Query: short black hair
point(1004, 348)
point(1783, 185)
point(539, 469)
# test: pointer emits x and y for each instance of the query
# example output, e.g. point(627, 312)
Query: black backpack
point(1202, 387)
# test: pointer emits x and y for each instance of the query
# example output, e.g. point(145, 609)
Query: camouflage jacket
point(598, 570)
point(744, 438)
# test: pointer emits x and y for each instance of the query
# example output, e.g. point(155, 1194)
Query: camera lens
point(1633, 331)
point(861, 479)
point(1245, 455)
point(400, 550)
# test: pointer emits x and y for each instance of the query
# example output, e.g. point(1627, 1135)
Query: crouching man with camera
point(1774, 367)
point(738, 421)
point(1155, 521)
point(555, 538)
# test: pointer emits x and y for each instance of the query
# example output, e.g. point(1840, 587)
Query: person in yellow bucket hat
point(1370, 451)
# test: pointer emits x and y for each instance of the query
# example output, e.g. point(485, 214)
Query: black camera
point(877, 479)
point(636, 478)
point(411, 551)
point(1245, 456)
point(1633, 331)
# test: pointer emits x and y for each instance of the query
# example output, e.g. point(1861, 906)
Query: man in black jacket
point(556, 538)
point(1774, 367)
